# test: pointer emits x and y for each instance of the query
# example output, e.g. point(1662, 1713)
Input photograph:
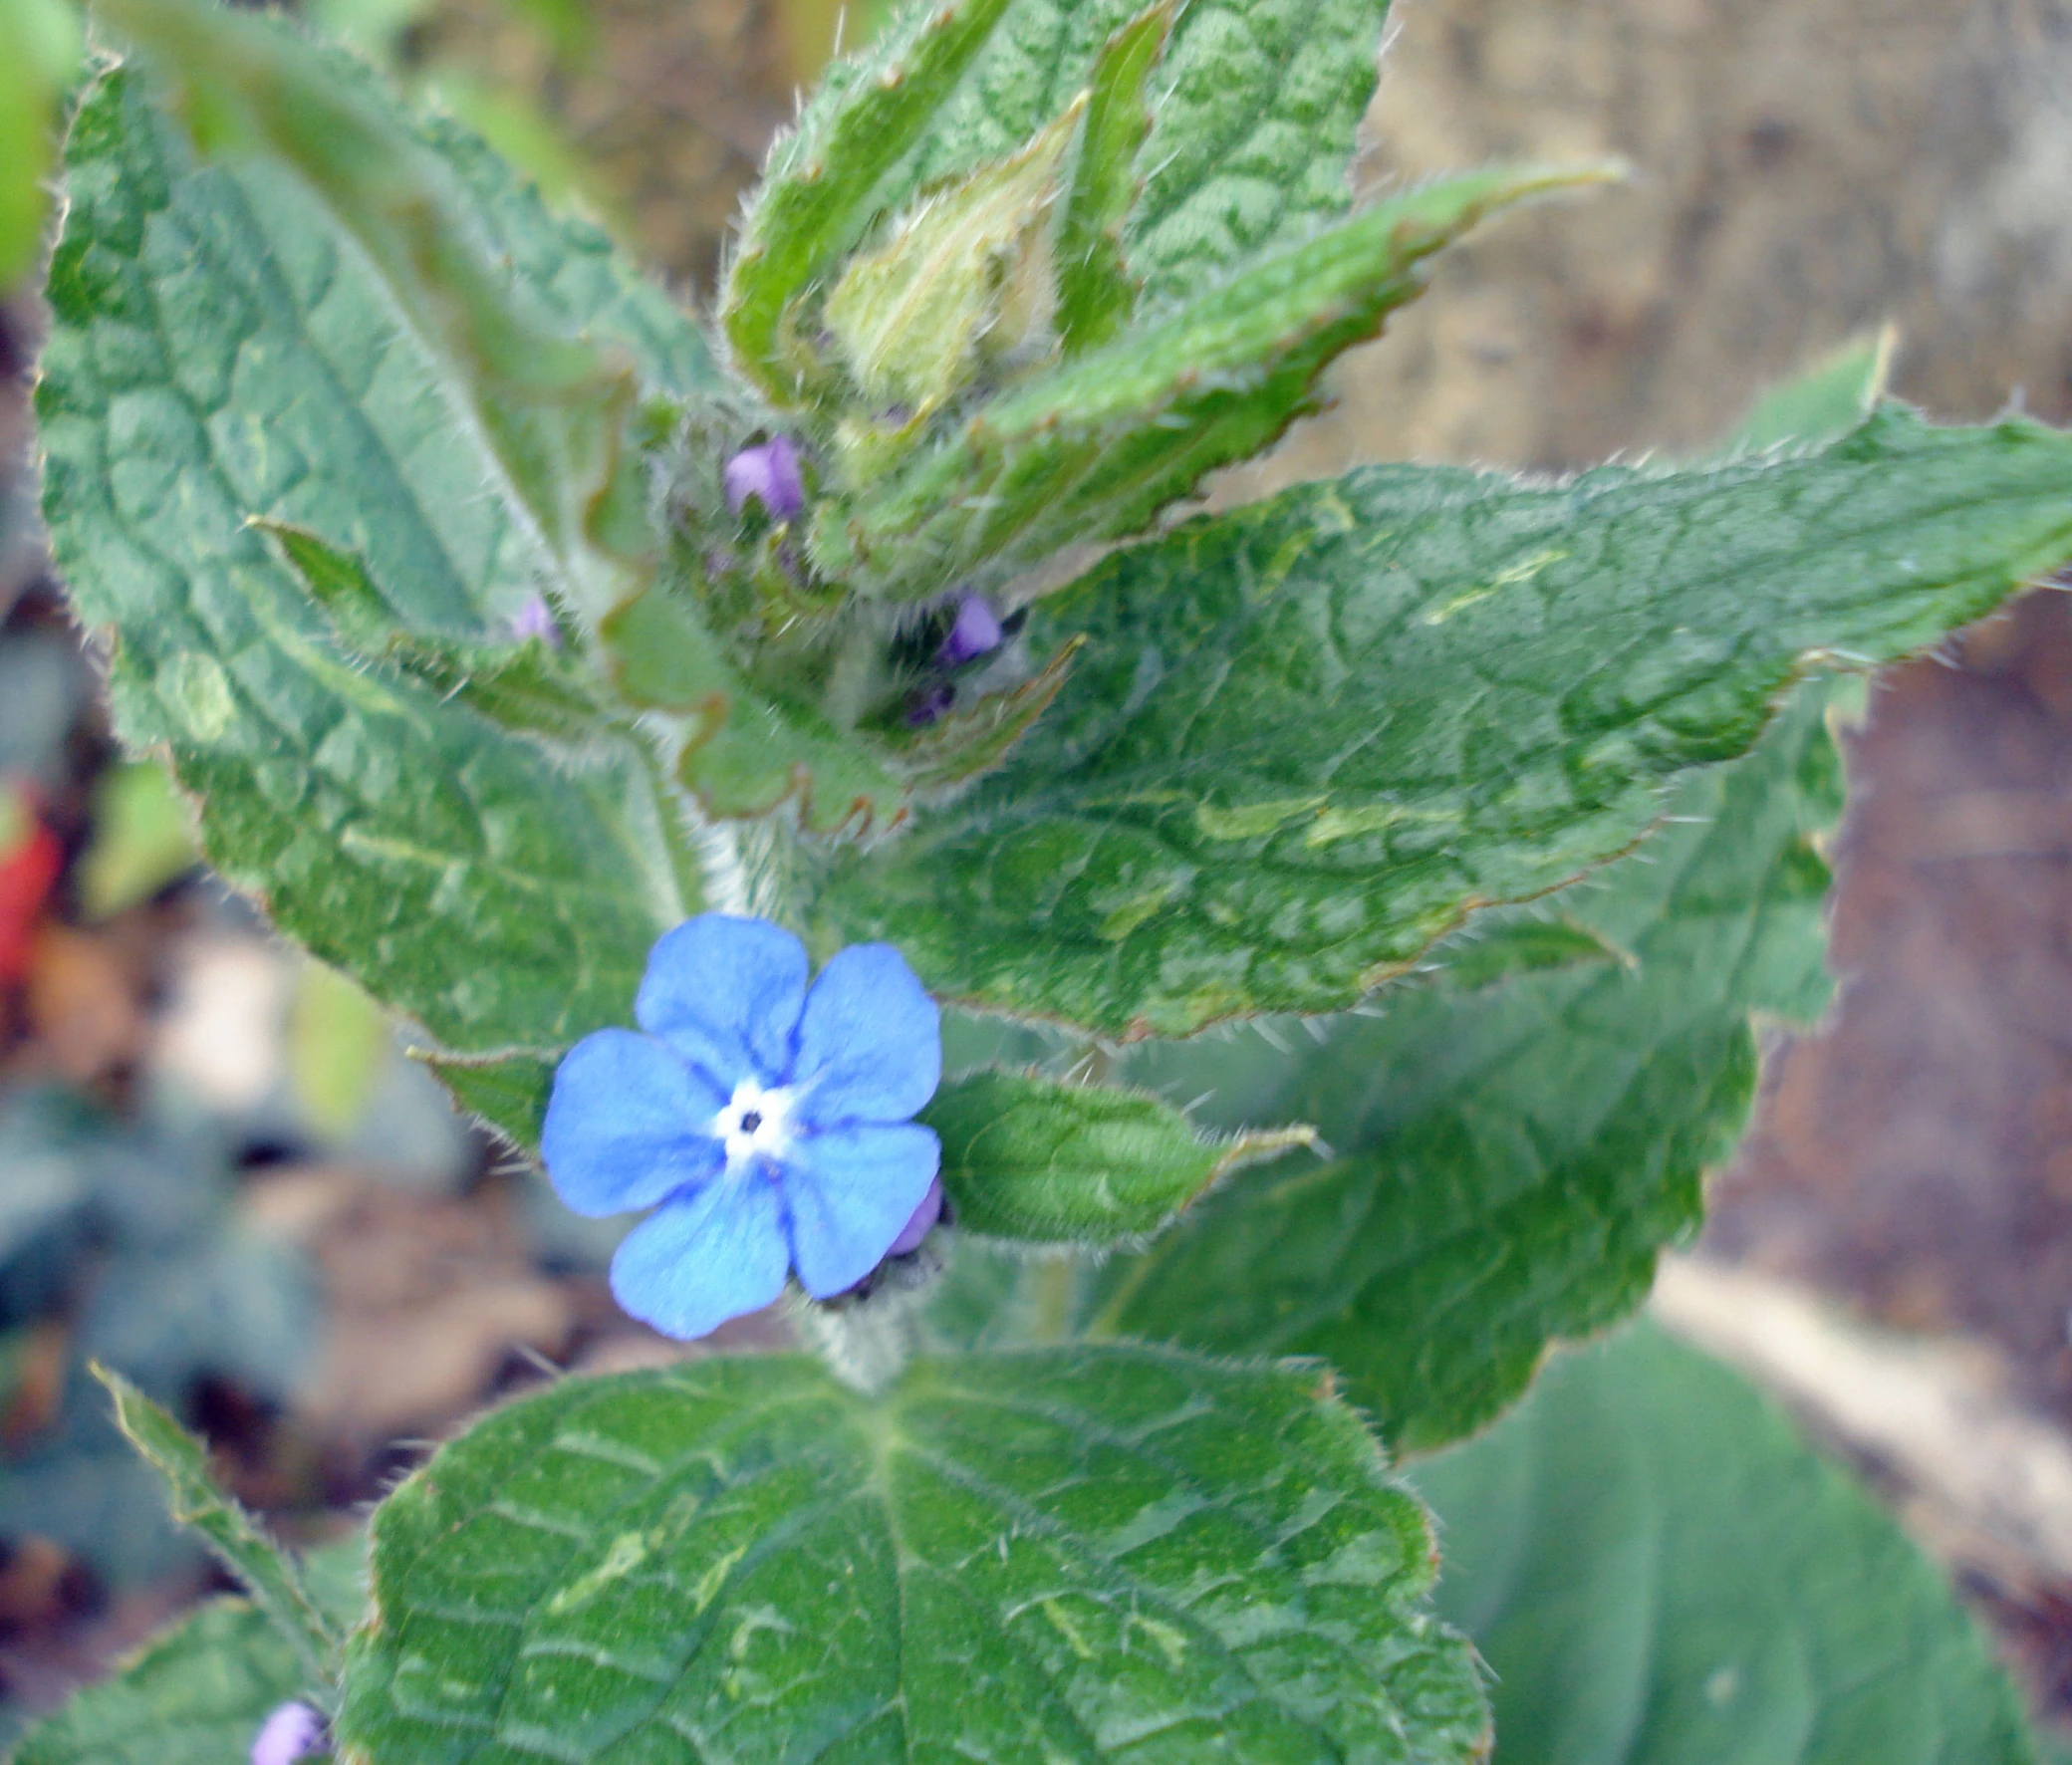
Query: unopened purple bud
point(922, 1222)
point(770, 474)
point(975, 631)
point(292, 1732)
point(536, 620)
point(927, 705)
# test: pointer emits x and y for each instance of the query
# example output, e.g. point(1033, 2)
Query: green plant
point(501, 617)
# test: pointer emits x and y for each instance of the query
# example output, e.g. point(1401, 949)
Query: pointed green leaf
point(1512, 1158)
point(522, 686)
point(1658, 1573)
point(508, 1092)
point(1499, 945)
point(816, 198)
point(198, 1693)
point(1096, 450)
point(1096, 292)
point(269, 1574)
point(223, 348)
point(1305, 738)
point(1039, 1160)
point(1824, 402)
point(1082, 1553)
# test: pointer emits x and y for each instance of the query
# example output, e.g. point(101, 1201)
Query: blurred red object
point(28, 871)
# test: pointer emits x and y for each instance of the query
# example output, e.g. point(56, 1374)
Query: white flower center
point(755, 1122)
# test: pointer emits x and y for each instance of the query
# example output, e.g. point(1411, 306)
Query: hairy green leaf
point(1256, 104)
point(1658, 1573)
point(1096, 448)
point(523, 686)
point(1511, 1158)
point(1304, 739)
point(538, 413)
point(269, 1574)
point(196, 1693)
point(1082, 1553)
point(1096, 292)
point(225, 348)
point(1041, 1160)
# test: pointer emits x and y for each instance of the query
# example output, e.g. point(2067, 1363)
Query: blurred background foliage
point(219, 1171)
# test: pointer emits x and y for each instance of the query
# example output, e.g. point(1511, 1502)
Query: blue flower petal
point(627, 1123)
point(851, 1191)
point(870, 1041)
point(726, 993)
point(704, 1258)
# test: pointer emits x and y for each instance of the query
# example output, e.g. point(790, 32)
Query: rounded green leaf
point(1069, 1555)
point(1658, 1573)
point(1036, 1159)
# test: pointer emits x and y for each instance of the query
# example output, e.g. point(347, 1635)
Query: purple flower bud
point(977, 630)
point(922, 1222)
point(536, 620)
point(292, 1732)
point(927, 705)
point(770, 474)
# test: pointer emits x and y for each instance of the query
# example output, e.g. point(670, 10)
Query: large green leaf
point(196, 1693)
point(1510, 1157)
point(1083, 1554)
point(1658, 1573)
point(1303, 739)
point(226, 344)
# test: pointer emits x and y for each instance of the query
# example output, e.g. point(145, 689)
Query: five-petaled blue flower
point(767, 1125)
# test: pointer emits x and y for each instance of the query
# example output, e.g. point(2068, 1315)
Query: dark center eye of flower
point(751, 1120)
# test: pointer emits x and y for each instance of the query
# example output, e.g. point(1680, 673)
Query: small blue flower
point(767, 1125)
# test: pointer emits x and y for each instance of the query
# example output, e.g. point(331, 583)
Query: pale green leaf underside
point(1036, 1159)
point(196, 1693)
point(1303, 739)
point(222, 351)
point(1511, 1158)
point(1658, 1573)
point(1067, 1556)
